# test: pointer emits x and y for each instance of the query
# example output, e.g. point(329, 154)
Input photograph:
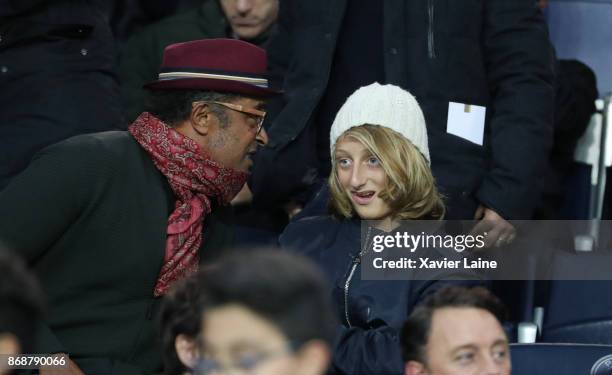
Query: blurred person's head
point(180, 325)
point(222, 113)
point(456, 331)
point(21, 301)
point(380, 158)
point(542, 4)
point(266, 312)
point(250, 18)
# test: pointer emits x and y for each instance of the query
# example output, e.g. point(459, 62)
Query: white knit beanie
point(384, 105)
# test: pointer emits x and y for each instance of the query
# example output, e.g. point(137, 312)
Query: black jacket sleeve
point(293, 161)
point(367, 351)
point(279, 46)
point(519, 61)
point(44, 200)
point(39, 205)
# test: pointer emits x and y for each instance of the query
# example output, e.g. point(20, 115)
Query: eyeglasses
point(244, 364)
point(258, 115)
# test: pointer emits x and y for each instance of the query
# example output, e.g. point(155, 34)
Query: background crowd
point(254, 137)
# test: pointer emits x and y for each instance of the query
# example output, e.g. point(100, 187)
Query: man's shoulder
point(109, 141)
point(187, 21)
point(194, 24)
point(209, 14)
point(103, 147)
point(314, 222)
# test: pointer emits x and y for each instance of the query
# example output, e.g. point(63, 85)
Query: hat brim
point(208, 84)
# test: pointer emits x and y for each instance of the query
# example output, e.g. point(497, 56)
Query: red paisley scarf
point(195, 179)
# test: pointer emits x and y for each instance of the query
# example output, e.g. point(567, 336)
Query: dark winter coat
point(90, 216)
point(372, 312)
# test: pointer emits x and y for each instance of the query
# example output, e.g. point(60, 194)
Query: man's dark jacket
point(492, 53)
point(90, 216)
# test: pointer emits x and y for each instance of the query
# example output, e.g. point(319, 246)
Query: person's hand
point(70, 369)
point(497, 231)
point(244, 196)
point(292, 208)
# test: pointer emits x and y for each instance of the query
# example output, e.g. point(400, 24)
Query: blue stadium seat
point(579, 311)
point(561, 359)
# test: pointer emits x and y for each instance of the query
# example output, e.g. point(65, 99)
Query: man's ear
point(414, 368)
point(9, 344)
point(202, 118)
point(314, 358)
point(186, 350)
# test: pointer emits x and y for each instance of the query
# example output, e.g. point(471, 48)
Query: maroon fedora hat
point(223, 65)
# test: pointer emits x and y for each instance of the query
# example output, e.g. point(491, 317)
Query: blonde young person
point(380, 171)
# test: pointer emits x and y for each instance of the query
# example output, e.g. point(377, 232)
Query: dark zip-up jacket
point(372, 312)
point(492, 53)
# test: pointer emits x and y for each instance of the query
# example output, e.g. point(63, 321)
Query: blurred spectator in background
point(180, 326)
point(21, 302)
point(456, 331)
point(266, 312)
point(575, 95)
point(249, 20)
point(109, 221)
point(459, 59)
point(56, 74)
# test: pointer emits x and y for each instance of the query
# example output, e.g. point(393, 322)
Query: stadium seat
point(579, 311)
point(561, 359)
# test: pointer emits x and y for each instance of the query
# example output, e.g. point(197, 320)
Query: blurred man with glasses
point(265, 312)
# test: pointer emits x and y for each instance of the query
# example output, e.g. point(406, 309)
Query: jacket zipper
point(347, 285)
point(431, 47)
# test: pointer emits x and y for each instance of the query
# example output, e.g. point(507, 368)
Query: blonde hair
point(410, 190)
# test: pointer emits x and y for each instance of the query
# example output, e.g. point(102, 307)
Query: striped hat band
point(257, 81)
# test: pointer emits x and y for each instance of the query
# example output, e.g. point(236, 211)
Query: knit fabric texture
point(383, 105)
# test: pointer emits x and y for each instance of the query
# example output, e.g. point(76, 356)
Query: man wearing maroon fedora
point(110, 221)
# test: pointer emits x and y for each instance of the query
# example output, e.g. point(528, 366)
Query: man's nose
point(262, 137)
point(244, 6)
point(492, 366)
